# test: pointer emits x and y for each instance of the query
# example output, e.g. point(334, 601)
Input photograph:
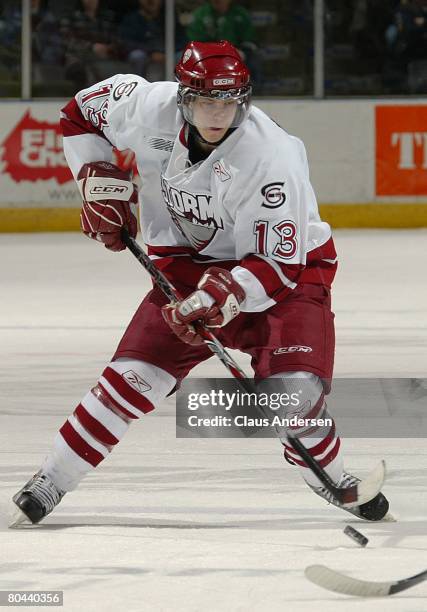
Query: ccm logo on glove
point(104, 187)
point(109, 203)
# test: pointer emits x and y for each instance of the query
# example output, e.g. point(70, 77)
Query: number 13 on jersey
point(286, 244)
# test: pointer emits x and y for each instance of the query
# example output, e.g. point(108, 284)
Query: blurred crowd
point(371, 46)
point(385, 40)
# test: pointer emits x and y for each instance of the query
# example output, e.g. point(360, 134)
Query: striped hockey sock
point(126, 390)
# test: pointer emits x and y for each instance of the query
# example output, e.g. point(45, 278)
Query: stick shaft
point(172, 294)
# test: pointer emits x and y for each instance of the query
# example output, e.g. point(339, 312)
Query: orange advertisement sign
point(401, 150)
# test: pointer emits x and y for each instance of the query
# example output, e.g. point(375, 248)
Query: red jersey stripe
point(267, 276)
point(326, 251)
point(73, 123)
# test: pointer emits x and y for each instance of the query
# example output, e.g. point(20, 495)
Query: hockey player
point(228, 213)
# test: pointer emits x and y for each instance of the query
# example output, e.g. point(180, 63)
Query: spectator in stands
point(10, 35)
point(142, 37)
point(48, 42)
point(224, 20)
point(10, 38)
point(407, 35)
point(367, 30)
point(92, 50)
point(406, 39)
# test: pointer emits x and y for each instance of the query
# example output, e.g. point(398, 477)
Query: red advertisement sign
point(32, 151)
point(401, 150)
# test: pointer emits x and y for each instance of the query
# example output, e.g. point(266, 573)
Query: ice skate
point(374, 510)
point(35, 500)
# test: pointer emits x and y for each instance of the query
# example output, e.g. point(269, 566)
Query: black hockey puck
point(356, 535)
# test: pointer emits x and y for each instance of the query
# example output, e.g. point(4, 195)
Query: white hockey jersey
point(250, 200)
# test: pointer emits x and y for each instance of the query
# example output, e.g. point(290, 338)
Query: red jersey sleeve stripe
point(321, 265)
point(326, 252)
point(319, 275)
point(277, 279)
point(73, 123)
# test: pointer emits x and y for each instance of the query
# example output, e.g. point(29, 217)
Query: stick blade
point(340, 583)
point(368, 488)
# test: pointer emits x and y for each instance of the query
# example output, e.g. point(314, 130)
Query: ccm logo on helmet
point(292, 349)
point(224, 81)
point(97, 189)
point(186, 56)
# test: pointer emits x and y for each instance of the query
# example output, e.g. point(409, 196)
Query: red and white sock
point(322, 442)
point(126, 390)
point(326, 449)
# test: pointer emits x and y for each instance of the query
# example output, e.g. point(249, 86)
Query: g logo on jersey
point(273, 194)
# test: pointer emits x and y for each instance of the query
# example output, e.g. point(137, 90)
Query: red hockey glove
point(216, 302)
point(109, 203)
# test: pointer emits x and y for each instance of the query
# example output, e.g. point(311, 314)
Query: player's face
point(213, 117)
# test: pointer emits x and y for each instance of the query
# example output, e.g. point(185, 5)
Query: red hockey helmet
point(213, 70)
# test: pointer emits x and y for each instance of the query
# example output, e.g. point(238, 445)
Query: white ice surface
point(168, 524)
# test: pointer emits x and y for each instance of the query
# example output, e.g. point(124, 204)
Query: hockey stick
point(340, 583)
point(172, 294)
point(358, 494)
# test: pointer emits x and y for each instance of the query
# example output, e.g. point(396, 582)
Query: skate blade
point(18, 518)
point(387, 518)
